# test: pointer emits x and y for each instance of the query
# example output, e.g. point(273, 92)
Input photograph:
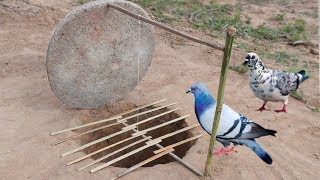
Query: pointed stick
point(151, 118)
point(161, 125)
point(85, 125)
point(197, 172)
point(167, 151)
point(90, 131)
point(114, 152)
point(151, 143)
point(109, 119)
point(94, 142)
point(231, 32)
point(141, 107)
point(100, 150)
point(177, 144)
point(177, 132)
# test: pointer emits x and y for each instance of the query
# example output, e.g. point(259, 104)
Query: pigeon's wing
point(236, 126)
point(255, 131)
point(286, 82)
point(232, 124)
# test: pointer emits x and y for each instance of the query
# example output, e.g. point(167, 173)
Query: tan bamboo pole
point(161, 125)
point(177, 144)
point(167, 28)
point(86, 125)
point(148, 144)
point(114, 152)
point(181, 161)
point(167, 151)
point(231, 32)
point(90, 131)
point(102, 149)
point(141, 107)
point(95, 142)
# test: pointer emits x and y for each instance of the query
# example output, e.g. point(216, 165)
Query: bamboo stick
point(109, 119)
point(94, 142)
point(113, 153)
point(124, 156)
point(231, 32)
point(194, 170)
point(141, 107)
point(151, 110)
point(177, 144)
point(100, 150)
point(167, 28)
point(167, 151)
point(85, 125)
point(161, 125)
point(90, 131)
point(151, 118)
point(178, 131)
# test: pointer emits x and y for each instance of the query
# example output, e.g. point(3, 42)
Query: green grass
point(285, 58)
point(216, 17)
point(82, 1)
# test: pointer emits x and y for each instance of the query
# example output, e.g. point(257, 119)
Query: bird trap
point(132, 123)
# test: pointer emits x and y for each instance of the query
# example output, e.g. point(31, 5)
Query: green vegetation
point(82, 1)
point(216, 17)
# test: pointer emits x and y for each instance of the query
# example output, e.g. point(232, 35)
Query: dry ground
point(29, 111)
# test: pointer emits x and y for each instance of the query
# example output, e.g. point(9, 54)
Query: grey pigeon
point(233, 127)
point(271, 85)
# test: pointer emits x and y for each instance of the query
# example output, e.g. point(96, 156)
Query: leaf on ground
point(298, 94)
point(314, 108)
point(240, 68)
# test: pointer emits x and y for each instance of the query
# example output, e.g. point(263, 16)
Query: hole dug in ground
point(146, 153)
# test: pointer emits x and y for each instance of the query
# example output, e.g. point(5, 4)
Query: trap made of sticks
point(131, 133)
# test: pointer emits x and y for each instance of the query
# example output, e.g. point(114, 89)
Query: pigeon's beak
point(188, 91)
point(246, 61)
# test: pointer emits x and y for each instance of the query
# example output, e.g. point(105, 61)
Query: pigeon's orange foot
point(262, 109)
point(223, 151)
point(282, 110)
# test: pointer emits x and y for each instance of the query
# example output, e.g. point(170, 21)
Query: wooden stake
point(100, 150)
point(113, 153)
point(231, 32)
point(85, 125)
point(167, 151)
point(124, 156)
point(161, 125)
point(177, 144)
point(90, 131)
point(94, 142)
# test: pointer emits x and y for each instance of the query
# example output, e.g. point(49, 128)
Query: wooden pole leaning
point(114, 152)
point(167, 28)
point(231, 32)
point(177, 144)
point(165, 152)
point(181, 161)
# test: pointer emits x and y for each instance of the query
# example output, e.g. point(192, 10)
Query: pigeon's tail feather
point(255, 147)
point(303, 76)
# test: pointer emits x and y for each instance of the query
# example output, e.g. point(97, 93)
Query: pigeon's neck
point(258, 70)
point(202, 102)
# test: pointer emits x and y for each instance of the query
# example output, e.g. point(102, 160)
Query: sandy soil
point(29, 111)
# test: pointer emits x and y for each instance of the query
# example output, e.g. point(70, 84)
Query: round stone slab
point(93, 55)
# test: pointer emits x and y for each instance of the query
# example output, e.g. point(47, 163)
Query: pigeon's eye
point(253, 57)
point(247, 56)
point(195, 88)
